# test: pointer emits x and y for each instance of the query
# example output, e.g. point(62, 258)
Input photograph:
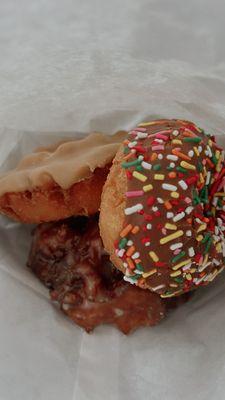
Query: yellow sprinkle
point(147, 188)
point(214, 273)
point(205, 259)
point(164, 296)
point(139, 176)
point(148, 123)
point(149, 273)
point(171, 227)
point(217, 154)
point(176, 141)
point(204, 171)
point(202, 228)
point(196, 151)
point(219, 194)
point(199, 238)
point(181, 264)
point(186, 165)
point(175, 195)
point(154, 256)
point(173, 236)
point(219, 247)
point(159, 177)
point(173, 285)
point(210, 142)
point(188, 277)
point(192, 270)
point(218, 165)
point(201, 178)
point(174, 274)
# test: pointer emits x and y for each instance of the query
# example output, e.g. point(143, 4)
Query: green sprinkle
point(220, 203)
point(214, 159)
point(192, 139)
point(139, 168)
point(139, 267)
point(180, 255)
point(208, 245)
point(122, 243)
point(126, 150)
point(181, 169)
point(196, 199)
point(204, 195)
point(199, 166)
point(179, 279)
point(156, 167)
point(131, 163)
point(206, 237)
point(169, 168)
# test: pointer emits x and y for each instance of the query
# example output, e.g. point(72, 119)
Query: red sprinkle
point(129, 174)
point(150, 201)
point(191, 180)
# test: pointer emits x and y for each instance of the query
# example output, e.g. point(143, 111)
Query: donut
point(162, 209)
point(69, 258)
point(60, 181)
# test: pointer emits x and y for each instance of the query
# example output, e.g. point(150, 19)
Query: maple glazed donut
point(162, 209)
point(59, 181)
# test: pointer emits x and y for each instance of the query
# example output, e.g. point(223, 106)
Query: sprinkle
point(149, 273)
point(183, 185)
point(134, 193)
point(122, 243)
point(194, 139)
point(176, 246)
point(169, 215)
point(130, 263)
point(199, 238)
point(158, 147)
point(151, 201)
point(153, 256)
point(130, 163)
point(154, 156)
point(130, 251)
point(172, 157)
point(179, 216)
point(156, 167)
point(161, 136)
point(173, 236)
point(154, 289)
point(192, 179)
point(176, 141)
point(201, 228)
point(159, 177)
point(148, 123)
point(191, 252)
point(149, 226)
point(181, 264)
point(134, 209)
point(140, 129)
point(167, 186)
point(168, 205)
point(126, 230)
point(196, 151)
point(130, 243)
point(139, 176)
point(172, 165)
point(172, 175)
point(142, 135)
point(147, 188)
point(135, 230)
point(175, 195)
point(180, 169)
point(129, 279)
point(135, 255)
point(189, 209)
point(132, 144)
point(186, 165)
point(146, 165)
point(120, 253)
point(180, 154)
point(178, 256)
point(174, 274)
point(188, 277)
point(175, 132)
point(160, 201)
point(171, 227)
point(160, 156)
point(191, 153)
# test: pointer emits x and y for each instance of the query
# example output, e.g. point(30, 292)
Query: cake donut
point(60, 181)
point(162, 209)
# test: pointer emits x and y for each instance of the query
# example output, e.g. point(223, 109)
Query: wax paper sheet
point(68, 68)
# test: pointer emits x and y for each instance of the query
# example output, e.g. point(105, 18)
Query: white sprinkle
point(141, 135)
point(157, 288)
point(172, 165)
point(135, 255)
point(189, 233)
point(149, 226)
point(120, 253)
point(198, 281)
point(200, 149)
point(129, 280)
point(209, 151)
point(215, 261)
point(125, 265)
point(203, 266)
point(147, 244)
point(179, 216)
point(171, 188)
point(140, 158)
point(154, 208)
point(159, 140)
point(138, 272)
point(160, 201)
point(132, 144)
point(191, 153)
point(134, 209)
point(176, 246)
point(146, 165)
point(130, 243)
point(175, 132)
point(208, 178)
point(172, 157)
point(191, 252)
point(183, 185)
point(206, 153)
point(160, 156)
point(220, 222)
point(186, 267)
point(189, 209)
point(169, 215)
point(215, 201)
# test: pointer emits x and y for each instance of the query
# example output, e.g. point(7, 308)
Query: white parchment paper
point(73, 67)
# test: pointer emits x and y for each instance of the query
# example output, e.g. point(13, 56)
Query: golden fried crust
point(112, 208)
point(51, 203)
